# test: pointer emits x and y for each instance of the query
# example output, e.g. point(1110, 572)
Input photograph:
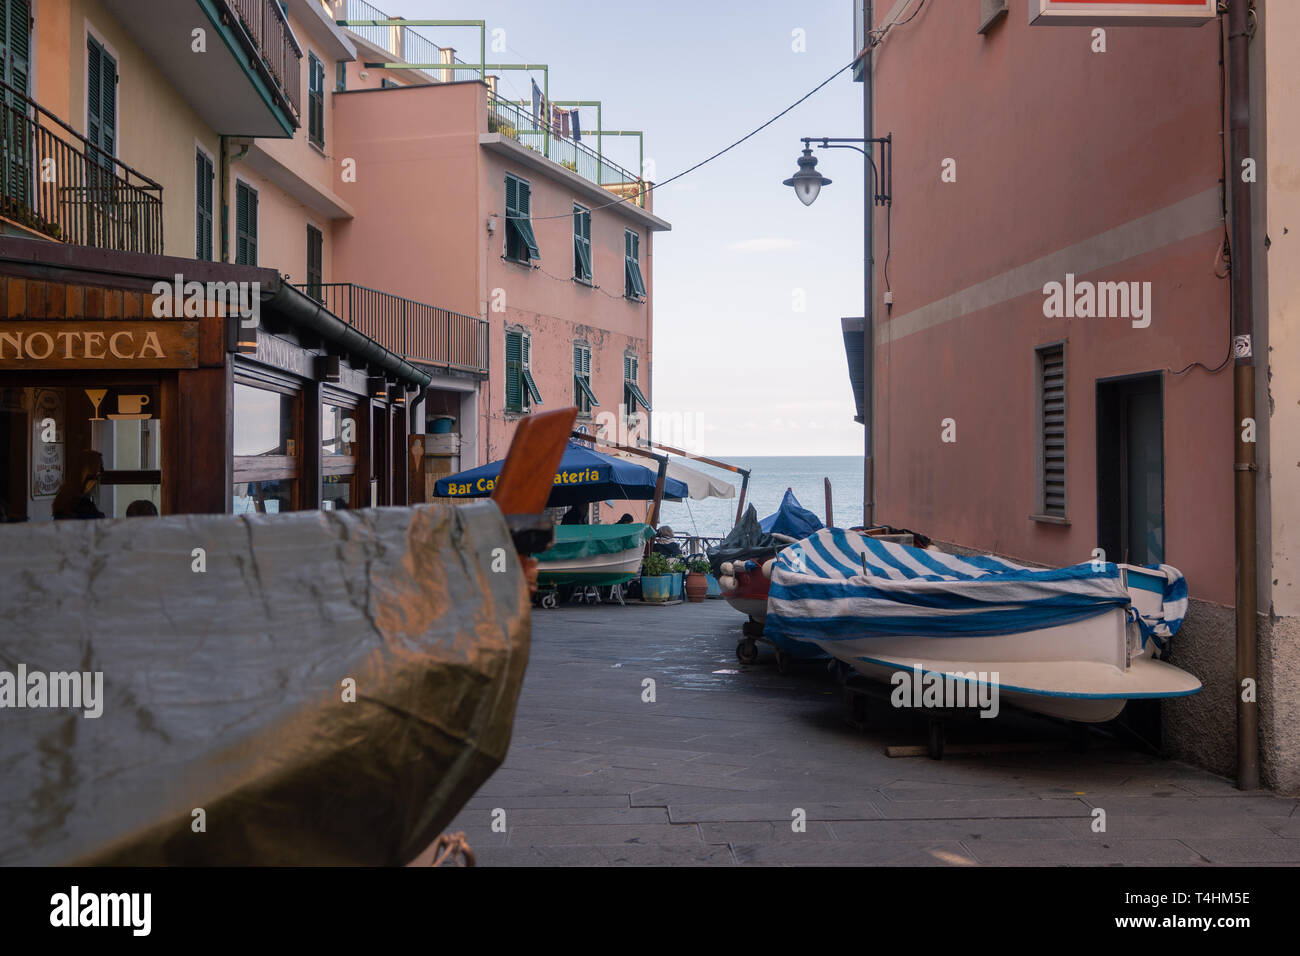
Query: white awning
point(701, 485)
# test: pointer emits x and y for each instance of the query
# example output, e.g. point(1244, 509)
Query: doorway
point(1130, 469)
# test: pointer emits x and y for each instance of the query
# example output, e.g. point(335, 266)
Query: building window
point(89, 450)
point(101, 101)
point(340, 422)
point(315, 271)
point(583, 396)
point(16, 40)
point(581, 243)
point(267, 448)
point(633, 286)
point(521, 244)
point(245, 225)
point(387, 84)
point(632, 394)
point(315, 100)
point(1051, 431)
point(340, 76)
point(203, 177)
point(521, 389)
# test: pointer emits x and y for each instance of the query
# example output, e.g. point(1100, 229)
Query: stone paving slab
point(710, 772)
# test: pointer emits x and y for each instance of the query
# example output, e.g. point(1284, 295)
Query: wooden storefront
point(114, 403)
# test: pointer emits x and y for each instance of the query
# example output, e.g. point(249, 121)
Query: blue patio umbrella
point(584, 476)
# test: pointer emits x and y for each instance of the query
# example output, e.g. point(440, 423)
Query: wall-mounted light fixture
point(239, 337)
point(329, 368)
point(377, 386)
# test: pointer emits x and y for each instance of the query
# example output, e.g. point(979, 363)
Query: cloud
point(763, 244)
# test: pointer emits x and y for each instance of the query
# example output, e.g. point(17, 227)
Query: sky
point(738, 369)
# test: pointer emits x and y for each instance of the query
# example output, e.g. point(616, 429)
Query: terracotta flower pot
point(697, 586)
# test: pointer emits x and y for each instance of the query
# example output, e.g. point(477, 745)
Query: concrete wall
point(1278, 348)
point(1105, 165)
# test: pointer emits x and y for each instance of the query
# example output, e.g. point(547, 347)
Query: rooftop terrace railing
point(404, 44)
point(269, 30)
point(518, 122)
point(55, 181)
point(416, 331)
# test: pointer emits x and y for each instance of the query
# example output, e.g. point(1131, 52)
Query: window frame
point(316, 238)
point(244, 188)
point(258, 468)
point(583, 395)
point(519, 223)
point(201, 214)
point(633, 280)
point(583, 270)
point(529, 394)
point(315, 100)
point(632, 394)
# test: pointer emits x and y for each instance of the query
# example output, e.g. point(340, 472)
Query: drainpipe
point(1245, 468)
point(223, 142)
point(868, 326)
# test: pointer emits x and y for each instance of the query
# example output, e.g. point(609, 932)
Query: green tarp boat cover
point(576, 541)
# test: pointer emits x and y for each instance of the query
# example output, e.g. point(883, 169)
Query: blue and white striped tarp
point(840, 585)
point(1173, 608)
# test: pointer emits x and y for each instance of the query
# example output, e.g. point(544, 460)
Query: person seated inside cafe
point(141, 508)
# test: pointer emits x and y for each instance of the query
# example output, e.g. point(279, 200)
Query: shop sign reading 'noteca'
point(105, 344)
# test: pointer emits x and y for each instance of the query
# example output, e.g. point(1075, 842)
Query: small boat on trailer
point(590, 555)
point(1075, 643)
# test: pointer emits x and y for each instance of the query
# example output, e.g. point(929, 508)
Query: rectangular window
point(315, 250)
point(633, 286)
point(101, 101)
point(340, 76)
point(245, 225)
point(267, 449)
point(339, 438)
point(581, 243)
point(583, 396)
point(1051, 431)
point(521, 244)
point(203, 177)
point(315, 100)
point(632, 394)
point(521, 389)
point(15, 43)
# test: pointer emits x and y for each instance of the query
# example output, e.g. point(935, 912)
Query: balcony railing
point(404, 44)
point(269, 30)
point(55, 181)
point(518, 123)
point(416, 331)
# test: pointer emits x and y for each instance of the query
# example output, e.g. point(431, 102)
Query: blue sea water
point(768, 480)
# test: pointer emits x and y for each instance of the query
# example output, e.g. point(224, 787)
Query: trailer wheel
point(752, 628)
point(935, 745)
point(747, 651)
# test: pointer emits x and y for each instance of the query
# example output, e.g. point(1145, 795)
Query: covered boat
point(592, 555)
point(1076, 642)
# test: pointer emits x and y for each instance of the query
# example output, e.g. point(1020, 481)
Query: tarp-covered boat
point(307, 688)
point(587, 555)
point(1076, 642)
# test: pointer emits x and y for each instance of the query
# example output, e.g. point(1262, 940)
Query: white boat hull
point(1085, 671)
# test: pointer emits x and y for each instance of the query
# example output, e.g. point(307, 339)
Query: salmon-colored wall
point(1054, 145)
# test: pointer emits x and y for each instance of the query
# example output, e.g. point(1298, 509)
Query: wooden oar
point(526, 480)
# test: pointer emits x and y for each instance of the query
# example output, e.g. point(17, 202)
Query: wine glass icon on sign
point(96, 396)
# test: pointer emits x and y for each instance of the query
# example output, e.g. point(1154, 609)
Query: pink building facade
point(1006, 422)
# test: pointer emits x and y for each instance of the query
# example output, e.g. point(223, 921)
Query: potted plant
point(678, 570)
point(697, 579)
point(656, 581)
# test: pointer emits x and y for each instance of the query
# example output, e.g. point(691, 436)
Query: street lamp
point(807, 182)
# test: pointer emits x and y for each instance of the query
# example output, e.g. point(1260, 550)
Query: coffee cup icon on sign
point(131, 408)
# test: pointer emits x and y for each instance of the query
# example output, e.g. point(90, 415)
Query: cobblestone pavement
point(713, 770)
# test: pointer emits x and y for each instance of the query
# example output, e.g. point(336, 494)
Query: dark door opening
point(1131, 497)
point(1130, 470)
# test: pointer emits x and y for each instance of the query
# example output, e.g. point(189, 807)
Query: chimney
point(448, 55)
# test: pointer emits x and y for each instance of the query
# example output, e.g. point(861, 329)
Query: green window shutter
point(529, 385)
point(245, 225)
point(202, 205)
point(633, 285)
point(108, 107)
point(514, 372)
point(512, 196)
point(16, 42)
point(94, 97)
point(581, 243)
point(315, 266)
point(315, 99)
